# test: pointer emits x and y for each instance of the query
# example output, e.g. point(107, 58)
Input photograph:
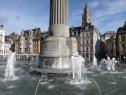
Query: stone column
point(58, 47)
point(59, 18)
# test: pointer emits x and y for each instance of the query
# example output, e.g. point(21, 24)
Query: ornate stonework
point(58, 48)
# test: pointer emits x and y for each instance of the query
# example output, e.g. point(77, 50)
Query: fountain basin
point(109, 83)
point(56, 71)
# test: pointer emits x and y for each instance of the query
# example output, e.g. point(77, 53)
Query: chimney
point(1, 26)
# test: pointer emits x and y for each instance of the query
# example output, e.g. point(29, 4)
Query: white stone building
point(26, 41)
point(88, 38)
point(4, 46)
point(2, 40)
point(7, 47)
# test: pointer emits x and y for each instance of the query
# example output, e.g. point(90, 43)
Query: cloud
point(94, 4)
point(17, 21)
point(3, 19)
point(110, 15)
point(106, 14)
point(110, 8)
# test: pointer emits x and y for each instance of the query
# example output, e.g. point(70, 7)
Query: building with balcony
point(88, 37)
point(121, 43)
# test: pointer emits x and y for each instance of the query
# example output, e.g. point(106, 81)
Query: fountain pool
point(10, 67)
point(109, 83)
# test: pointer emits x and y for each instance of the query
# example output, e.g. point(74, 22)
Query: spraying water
point(77, 66)
point(43, 77)
point(60, 63)
point(110, 64)
point(114, 61)
point(77, 63)
point(10, 67)
point(94, 61)
point(96, 85)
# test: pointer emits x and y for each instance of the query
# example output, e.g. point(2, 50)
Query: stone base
point(55, 62)
point(55, 47)
point(57, 51)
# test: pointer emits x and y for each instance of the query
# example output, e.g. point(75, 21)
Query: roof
point(122, 29)
point(75, 28)
point(110, 32)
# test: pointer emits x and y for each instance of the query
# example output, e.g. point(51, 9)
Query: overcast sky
point(16, 15)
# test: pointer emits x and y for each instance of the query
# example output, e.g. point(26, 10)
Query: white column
point(66, 11)
point(58, 11)
point(53, 11)
point(61, 11)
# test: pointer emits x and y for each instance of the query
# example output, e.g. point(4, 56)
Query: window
point(83, 49)
point(91, 48)
point(123, 47)
point(87, 41)
point(86, 49)
point(87, 56)
point(86, 34)
point(91, 57)
point(83, 56)
point(91, 41)
point(123, 38)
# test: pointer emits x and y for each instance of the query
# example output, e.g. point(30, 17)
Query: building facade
point(2, 40)
point(103, 47)
point(26, 40)
point(88, 37)
point(37, 40)
point(111, 47)
point(17, 46)
point(11, 38)
point(121, 43)
point(5, 46)
point(110, 44)
point(29, 42)
point(108, 35)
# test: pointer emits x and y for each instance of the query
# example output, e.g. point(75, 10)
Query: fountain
point(43, 77)
point(102, 63)
point(109, 64)
point(57, 55)
point(94, 61)
point(77, 64)
point(114, 61)
point(10, 67)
